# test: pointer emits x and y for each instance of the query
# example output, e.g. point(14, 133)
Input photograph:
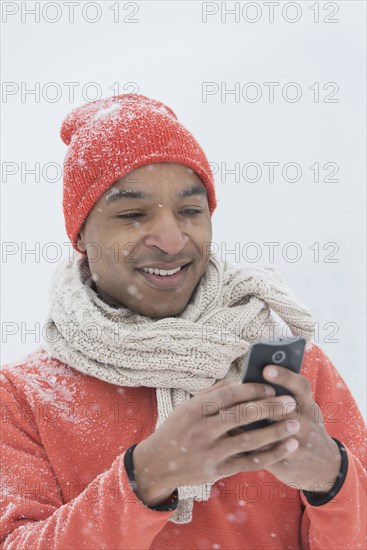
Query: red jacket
point(64, 485)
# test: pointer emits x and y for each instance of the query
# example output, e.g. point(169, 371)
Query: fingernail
point(291, 445)
point(270, 391)
point(271, 372)
point(292, 426)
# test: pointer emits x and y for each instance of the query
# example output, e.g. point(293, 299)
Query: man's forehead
point(186, 183)
point(115, 193)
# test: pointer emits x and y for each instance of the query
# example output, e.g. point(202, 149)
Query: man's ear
point(80, 242)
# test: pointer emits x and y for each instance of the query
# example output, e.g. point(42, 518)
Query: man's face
point(155, 217)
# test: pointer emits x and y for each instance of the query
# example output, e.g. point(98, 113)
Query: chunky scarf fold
point(179, 356)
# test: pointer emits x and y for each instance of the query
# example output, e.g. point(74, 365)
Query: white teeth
point(162, 272)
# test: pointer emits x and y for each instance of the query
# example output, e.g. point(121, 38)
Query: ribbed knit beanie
point(111, 137)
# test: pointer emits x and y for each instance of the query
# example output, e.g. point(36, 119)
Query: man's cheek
point(130, 253)
point(109, 252)
point(122, 253)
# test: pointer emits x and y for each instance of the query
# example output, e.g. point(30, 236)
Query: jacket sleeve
point(107, 514)
point(340, 522)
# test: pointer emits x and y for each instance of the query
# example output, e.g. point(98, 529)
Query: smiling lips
point(162, 272)
point(163, 278)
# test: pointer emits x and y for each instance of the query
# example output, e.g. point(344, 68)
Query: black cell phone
point(282, 353)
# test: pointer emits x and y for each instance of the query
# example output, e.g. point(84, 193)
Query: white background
point(168, 53)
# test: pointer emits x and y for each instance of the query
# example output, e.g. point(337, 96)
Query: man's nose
point(166, 233)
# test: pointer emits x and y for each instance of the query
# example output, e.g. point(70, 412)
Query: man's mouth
point(162, 272)
point(165, 278)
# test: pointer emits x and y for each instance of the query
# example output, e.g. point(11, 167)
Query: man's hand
point(194, 445)
point(315, 465)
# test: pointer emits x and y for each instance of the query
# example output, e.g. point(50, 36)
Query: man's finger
point(242, 414)
point(261, 439)
point(296, 383)
point(261, 459)
point(222, 396)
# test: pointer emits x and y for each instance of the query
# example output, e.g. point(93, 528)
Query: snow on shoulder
point(45, 381)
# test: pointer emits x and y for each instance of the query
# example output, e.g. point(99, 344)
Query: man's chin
point(161, 310)
point(163, 314)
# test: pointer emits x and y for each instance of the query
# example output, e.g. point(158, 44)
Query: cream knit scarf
point(181, 355)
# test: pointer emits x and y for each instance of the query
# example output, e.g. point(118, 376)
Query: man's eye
point(129, 216)
point(192, 211)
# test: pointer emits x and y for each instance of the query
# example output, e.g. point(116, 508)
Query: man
point(123, 431)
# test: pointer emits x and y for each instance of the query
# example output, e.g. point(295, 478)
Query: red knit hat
point(111, 137)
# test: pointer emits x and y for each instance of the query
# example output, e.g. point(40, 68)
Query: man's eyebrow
point(191, 191)
point(135, 194)
point(127, 194)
